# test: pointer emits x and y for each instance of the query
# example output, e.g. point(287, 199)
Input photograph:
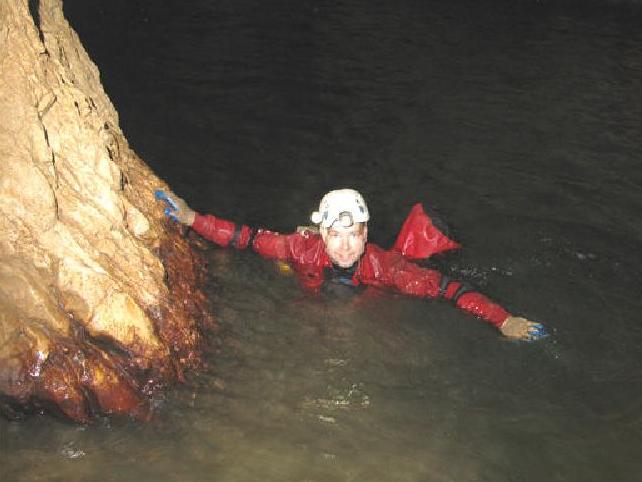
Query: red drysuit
point(305, 252)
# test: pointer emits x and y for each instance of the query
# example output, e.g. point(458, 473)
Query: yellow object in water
point(284, 268)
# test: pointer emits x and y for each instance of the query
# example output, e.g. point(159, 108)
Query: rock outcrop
point(98, 305)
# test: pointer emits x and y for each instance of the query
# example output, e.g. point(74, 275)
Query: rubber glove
point(177, 209)
point(522, 329)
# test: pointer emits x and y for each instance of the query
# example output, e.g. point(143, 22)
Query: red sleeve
point(390, 269)
point(479, 305)
point(274, 245)
point(222, 232)
point(225, 233)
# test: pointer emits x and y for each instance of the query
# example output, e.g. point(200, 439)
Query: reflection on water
point(520, 125)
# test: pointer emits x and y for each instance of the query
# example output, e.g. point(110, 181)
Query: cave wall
point(88, 324)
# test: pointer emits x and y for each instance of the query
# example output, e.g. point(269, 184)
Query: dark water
point(519, 122)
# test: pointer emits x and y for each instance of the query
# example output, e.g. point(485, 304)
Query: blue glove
point(537, 332)
point(176, 208)
point(162, 196)
point(172, 208)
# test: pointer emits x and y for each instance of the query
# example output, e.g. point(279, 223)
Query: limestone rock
point(87, 322)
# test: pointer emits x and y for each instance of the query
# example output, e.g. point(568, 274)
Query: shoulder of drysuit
point(305, 247)
point(299, 241)
point(376, 262)
point(389, 266)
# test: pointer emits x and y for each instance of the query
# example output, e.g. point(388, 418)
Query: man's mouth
point(345, 259)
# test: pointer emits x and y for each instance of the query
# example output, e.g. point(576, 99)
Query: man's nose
point(345, 244)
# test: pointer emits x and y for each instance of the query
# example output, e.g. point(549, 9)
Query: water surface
point(519, 123)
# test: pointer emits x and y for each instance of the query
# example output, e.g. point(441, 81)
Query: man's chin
point(344, 263)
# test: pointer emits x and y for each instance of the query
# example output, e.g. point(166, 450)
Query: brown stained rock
point(99, 297)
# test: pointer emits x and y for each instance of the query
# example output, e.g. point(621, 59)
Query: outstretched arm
point(227, 233)
point(474, 302)
point(391, 269)
point(471, 300)
point(220, 231)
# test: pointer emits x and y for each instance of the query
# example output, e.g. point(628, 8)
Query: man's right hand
point(177, 208)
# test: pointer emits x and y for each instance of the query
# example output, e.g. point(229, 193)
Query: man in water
point(337, 252)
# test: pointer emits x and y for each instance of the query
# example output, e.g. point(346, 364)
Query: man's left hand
point(519, 328)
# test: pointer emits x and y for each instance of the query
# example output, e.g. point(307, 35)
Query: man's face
point(345, 245)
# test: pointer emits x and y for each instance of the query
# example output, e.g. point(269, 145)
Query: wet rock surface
point(99, 305)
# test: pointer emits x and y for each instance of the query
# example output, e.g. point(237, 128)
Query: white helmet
point(344, 205)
